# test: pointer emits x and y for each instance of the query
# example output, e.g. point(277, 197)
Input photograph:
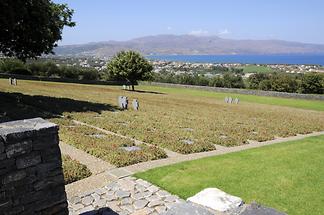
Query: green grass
point(257, 69)
point(287, 176)
point(288, 102)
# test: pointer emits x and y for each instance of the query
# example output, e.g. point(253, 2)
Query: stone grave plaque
point(188, 142)
point(131, 148)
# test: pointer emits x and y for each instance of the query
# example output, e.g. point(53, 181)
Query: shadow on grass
point(16, 106)
point(148, 92)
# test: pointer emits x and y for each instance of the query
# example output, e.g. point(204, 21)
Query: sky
point(104, 20)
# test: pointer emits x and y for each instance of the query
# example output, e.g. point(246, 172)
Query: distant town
point(207, 69)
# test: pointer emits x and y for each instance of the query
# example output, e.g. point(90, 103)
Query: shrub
point(312, 83)
point(20, 71)
point(73, 170)
point(8, 65)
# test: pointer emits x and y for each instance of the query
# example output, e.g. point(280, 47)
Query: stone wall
point(245, 91)
point(31, 173)
point(61, 80)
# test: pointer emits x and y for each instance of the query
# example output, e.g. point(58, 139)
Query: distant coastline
point(291, 59)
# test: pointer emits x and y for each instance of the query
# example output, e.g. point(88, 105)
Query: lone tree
point(30, 28)
point(129, 66)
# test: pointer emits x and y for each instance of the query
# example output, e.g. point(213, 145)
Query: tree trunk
point(133, 88)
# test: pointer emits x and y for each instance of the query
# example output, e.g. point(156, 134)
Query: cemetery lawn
point(287, 102)
point(104, 146)
point(181, 120)
point(287, 176)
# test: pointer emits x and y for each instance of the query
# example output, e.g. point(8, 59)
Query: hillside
point(190, 45)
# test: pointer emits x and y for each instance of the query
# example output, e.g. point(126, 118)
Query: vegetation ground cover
point(104, 146)
point(184, 121)
point(257, 69)
point(73, 170)
point(286, 176)
point(287, 102)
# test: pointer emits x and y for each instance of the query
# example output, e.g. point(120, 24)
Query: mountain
point(190, 45)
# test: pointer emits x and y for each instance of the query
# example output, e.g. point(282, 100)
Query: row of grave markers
point(126, 87)
point(230, 100)
point(13, 81)
point(123, 103)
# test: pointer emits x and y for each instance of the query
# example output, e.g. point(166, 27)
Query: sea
point(301, 59)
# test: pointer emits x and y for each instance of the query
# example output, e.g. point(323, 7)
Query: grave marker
point(188, 142)
point(131, 148)
point(135, 104)
point(125, 102)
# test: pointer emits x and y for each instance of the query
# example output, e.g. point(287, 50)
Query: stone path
point(95, 165)
point(125, 196)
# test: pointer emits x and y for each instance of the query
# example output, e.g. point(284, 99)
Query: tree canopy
point(30, 28)
point(129, 66)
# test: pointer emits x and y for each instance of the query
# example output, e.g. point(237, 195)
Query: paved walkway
point(125, 196)
point(95, 165)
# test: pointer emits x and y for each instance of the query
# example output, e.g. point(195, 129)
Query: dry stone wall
point(31, 173)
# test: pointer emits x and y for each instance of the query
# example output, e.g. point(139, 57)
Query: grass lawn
point(287, 102)
point(257, 69)
point(287, 176)
point(168, 117)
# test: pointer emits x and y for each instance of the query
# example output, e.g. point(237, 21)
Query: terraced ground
point(104, 146)
point(182, 120)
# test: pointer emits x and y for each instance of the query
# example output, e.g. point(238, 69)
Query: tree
point(9, 65)
point(30, 28)
point(129, 66)
point(233, 81)
point(312, 83)
point(255, 80)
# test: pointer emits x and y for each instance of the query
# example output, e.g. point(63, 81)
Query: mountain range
point(189, 45)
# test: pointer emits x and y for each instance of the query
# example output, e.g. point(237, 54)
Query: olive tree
point(129, 66)
point(30, 28)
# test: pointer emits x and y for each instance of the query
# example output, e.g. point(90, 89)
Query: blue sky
point(103, 20)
